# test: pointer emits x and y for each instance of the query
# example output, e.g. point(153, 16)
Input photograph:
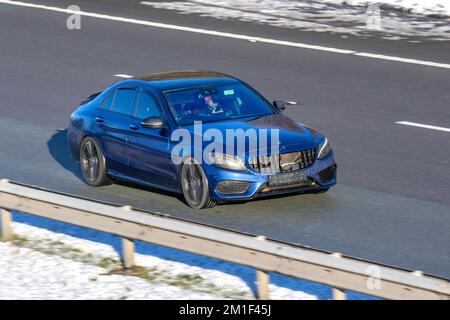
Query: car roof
point(181, 79)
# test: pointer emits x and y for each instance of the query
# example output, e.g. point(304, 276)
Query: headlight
point(227, 162)
point(324, 149)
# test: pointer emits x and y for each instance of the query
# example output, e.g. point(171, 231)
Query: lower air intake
point(232, 187)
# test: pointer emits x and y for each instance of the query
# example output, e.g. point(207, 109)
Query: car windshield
point(215, 103)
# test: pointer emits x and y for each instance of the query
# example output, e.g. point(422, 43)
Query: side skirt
point(122, 177)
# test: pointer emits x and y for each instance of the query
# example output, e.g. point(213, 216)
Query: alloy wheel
point(192, 183)
point(90, 162)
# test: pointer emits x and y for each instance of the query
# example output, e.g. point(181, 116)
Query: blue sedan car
point(206, 135)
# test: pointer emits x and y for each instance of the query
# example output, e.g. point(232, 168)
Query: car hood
point(293, 136)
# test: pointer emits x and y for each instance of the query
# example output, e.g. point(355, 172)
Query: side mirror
point(281, 105)
point(153, 123)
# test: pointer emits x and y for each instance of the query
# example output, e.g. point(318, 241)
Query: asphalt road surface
point(392, 201)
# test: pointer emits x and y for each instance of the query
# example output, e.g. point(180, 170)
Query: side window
point(147, 107)
point(107, 101)
point(123, 101)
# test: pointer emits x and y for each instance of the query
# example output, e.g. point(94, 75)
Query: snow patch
point(334, 16)
point(51, 276)
point(425, 7)
point(29, 274)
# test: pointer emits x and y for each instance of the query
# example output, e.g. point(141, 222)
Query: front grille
point(232, 186)
point(285, 162)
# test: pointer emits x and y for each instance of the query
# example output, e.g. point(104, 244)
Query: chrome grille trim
point(285, 162)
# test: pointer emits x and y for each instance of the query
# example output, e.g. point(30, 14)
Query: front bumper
point(321, 174)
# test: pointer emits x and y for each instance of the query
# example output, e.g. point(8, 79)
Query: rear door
point(149, 148)
point(112, 121)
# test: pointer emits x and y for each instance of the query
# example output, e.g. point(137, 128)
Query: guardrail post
point(262, 279)
point(339, 294)
point(127, 248)
point(5, 222)
point(127, 253)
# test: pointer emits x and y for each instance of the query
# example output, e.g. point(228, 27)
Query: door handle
point(99, 119)
point(134, 127)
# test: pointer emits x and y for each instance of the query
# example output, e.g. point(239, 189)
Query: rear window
point(123, 101)
point(90, 98)
point(107, 101)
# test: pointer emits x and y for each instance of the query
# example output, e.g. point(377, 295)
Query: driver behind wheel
point(213, 107)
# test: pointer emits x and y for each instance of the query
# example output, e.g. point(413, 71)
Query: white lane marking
point(126, 76)
point(227, 35)
point(420, 125)
point(406, 60)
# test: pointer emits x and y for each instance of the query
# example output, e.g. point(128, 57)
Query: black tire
point(194, 185)
point(93, 163)
point(321, 191)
